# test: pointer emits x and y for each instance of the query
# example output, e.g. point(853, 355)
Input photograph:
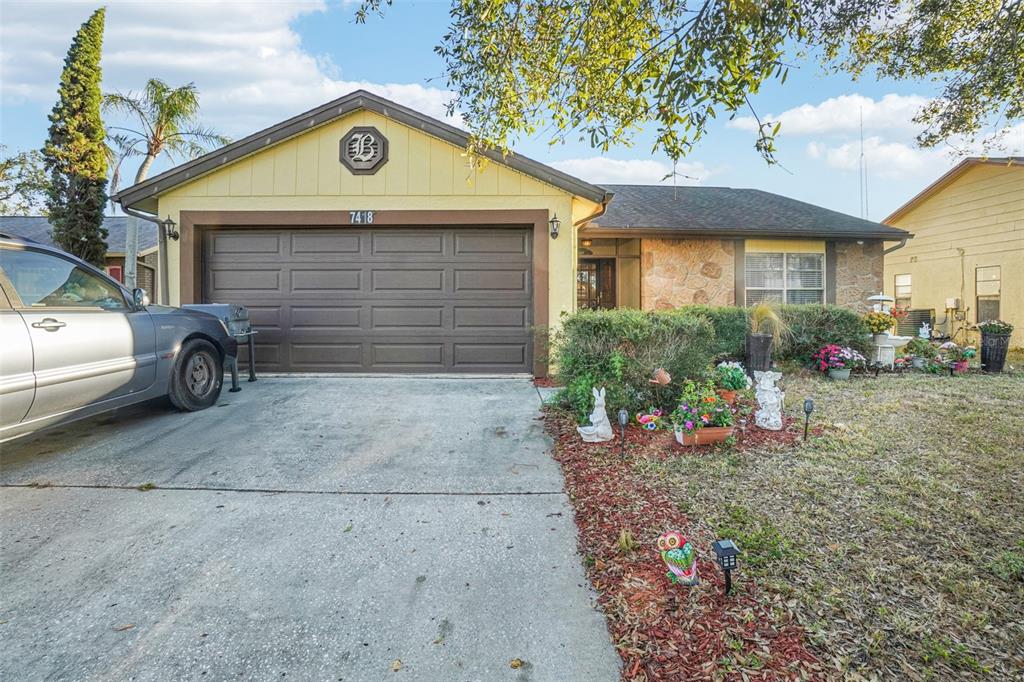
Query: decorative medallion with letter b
point(364, 150)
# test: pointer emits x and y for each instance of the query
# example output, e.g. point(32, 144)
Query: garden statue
point(661, 377)
point(769, 400)
point(678, 555)
point(600, 428)
point(925, 332)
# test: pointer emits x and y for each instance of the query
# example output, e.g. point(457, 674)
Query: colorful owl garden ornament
point(678, 555)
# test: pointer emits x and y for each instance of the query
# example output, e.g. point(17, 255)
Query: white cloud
point(843, 114)
point(601, 169)
point(248, 63)
point(894, 160)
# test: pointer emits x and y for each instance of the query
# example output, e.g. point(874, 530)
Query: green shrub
point(810, 328)
point(620, 349)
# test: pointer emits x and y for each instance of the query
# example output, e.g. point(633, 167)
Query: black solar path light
point(808, 408)
point(623, 421)
point(726, 552)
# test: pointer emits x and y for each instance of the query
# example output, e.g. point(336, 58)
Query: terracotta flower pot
point(727, 395)
point(960, 366)
point(705, 436)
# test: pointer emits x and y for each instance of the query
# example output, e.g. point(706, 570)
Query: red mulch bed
point(545, 382)
point(664, 631)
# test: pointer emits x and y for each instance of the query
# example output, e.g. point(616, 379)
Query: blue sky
point(258, 63)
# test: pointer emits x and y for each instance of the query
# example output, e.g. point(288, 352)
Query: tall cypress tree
point(74, 151)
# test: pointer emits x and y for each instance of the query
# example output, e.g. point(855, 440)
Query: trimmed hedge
point(619, 349)
point(810, 328)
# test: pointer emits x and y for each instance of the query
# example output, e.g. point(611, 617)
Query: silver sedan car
point(73, 343)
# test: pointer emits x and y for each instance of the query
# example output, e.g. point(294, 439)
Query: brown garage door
point(379, 300)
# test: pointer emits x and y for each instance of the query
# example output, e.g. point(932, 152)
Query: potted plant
point(920, 351)
point(837, 360)
point(879, 323)
point(730, 377)
point(956, 355)
point(995, 341)
point(766, 330)
point(702, 417)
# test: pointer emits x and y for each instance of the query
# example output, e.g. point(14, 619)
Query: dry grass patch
point(896, 534)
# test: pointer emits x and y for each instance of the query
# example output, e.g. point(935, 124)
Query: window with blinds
point(987, 285)
point(785, 277)
point(901, 290)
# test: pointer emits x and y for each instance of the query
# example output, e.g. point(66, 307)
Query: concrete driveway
point(309, 528)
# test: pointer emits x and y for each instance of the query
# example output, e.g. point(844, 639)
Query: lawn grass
point(895, 534)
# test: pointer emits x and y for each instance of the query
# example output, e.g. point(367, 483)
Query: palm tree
point(166, 125)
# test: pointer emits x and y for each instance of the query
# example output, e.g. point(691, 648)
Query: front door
point(88, 344)
point(595, 284)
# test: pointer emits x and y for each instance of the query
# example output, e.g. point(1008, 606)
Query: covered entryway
point(384, 299)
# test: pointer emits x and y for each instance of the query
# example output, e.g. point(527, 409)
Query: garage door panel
point(476, 317)
point(403, 279)
point(408, 243)
point(325, 318)
point(491, 280)
point(318, 243)
point(421, 317)
point(325, 280)
point(380, 299)
point(483, 243)
point(412, 353)
point(309, 357)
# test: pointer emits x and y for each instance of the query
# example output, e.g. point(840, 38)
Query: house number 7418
point(360, 217)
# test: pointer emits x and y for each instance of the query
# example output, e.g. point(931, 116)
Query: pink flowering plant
point(652, 420)
point(700, 406)
point(834, 356)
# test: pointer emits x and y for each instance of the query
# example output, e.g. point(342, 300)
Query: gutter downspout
point(886, 252)
point(161, 251)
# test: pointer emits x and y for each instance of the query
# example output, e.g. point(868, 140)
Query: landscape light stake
point(808, 408)
point(878, 368)
point(623, 421)
point(726, 552)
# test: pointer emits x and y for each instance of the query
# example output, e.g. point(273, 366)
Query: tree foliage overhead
point(605, 68)
point(23, 183)
point(165, 123)
point(74, 154)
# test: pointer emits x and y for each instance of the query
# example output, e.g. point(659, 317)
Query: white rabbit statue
point(600, 428)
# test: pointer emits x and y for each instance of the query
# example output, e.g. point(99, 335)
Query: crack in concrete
point(283, 491)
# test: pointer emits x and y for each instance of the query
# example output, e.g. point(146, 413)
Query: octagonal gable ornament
point(364, 150)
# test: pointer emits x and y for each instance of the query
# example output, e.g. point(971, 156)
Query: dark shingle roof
point(729, 212)
point(37, 228)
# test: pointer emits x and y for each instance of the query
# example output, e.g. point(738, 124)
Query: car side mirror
point(140, 298)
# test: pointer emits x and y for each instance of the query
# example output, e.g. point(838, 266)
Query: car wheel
point(197, 376)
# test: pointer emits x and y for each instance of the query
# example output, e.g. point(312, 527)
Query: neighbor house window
point(986, 283)
point(902, 291)
point(785, 277)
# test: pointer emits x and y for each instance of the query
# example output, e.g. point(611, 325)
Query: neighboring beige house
point(966, 261)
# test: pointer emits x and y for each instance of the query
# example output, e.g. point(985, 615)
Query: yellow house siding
point(422, 173)
point(975, 221)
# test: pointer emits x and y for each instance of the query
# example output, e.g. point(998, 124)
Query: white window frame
point(785, 289)
point(896, 286)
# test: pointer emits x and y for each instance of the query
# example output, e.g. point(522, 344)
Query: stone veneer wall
point(859, 271)
point(677, 272)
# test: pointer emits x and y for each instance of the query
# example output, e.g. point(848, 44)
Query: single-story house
point(362, 238)
point(966, 262)
point(37, 228)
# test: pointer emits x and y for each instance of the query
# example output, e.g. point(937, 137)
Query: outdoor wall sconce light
point(726, 552)
point(168, 226)
point(623, 421)
point(587, 243)
point(554, 224)
point(808, 408)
